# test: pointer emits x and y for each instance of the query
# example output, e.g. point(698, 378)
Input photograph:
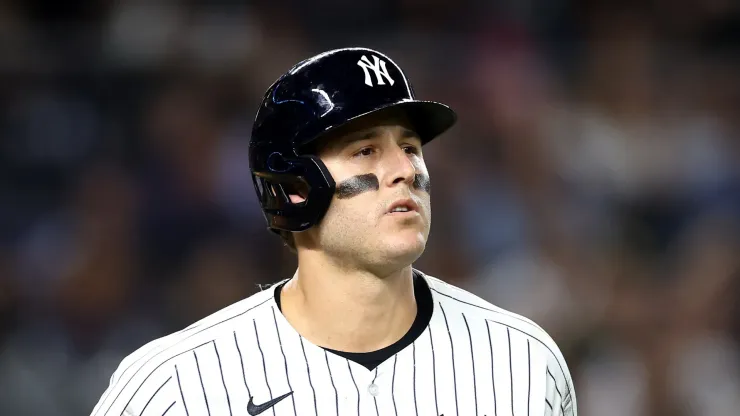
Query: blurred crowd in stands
point(592, 182)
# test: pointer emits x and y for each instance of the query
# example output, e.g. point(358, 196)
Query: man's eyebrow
point(356, 137)
point(409, 134)
point(373, 133)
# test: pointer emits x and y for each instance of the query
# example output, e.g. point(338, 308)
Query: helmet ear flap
point(294, 192)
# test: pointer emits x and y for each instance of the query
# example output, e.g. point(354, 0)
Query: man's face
point(377, 166)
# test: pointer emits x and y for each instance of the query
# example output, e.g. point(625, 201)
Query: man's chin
point(404, 248)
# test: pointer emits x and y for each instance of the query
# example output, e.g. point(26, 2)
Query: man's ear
point(296, 199)
point(297, 191)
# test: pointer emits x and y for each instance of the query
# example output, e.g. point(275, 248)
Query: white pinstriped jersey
point(472, 359)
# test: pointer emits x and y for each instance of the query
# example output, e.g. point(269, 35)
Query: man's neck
point(349, 310)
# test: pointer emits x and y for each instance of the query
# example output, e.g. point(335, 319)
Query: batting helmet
point(313, 98)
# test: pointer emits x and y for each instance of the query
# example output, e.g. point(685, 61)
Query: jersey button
point(373, 389)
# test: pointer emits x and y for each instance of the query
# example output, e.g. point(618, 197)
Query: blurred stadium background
point(592, 182)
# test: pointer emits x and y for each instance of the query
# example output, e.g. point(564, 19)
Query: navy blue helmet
point(315, 97)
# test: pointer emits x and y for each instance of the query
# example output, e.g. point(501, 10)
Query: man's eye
point(367, 151)
point(411, 150)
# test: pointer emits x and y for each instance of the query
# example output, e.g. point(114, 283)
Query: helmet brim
point(429, 119)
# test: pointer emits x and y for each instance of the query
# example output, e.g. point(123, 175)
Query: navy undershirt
point(370, 360)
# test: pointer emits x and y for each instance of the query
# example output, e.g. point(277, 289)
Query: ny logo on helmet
point(377, 66)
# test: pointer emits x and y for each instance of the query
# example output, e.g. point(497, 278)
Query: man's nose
point(400, 168)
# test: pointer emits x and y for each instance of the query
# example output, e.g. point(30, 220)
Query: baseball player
point(337, 162)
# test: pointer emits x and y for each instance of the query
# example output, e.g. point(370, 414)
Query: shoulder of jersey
point(213, 326)
point(475, 307)
point(453, 298)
